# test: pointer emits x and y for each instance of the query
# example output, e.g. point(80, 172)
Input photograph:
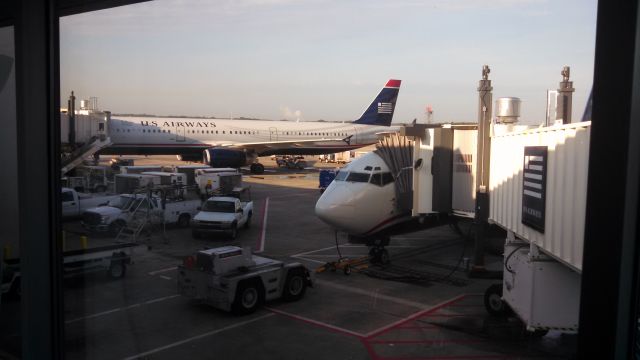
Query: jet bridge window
point(358, 177)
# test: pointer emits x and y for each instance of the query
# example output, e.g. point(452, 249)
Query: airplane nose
point(335, 207)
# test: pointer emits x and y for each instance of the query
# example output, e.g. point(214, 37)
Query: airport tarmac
point(421, 306)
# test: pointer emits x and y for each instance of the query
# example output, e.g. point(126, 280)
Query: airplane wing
point(295, 146)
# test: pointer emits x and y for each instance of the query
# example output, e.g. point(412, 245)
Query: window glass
point(341, 175)
point(196, 66)
point(376, 179)
point(387, 178)
point(358, 177)
point(10, 301)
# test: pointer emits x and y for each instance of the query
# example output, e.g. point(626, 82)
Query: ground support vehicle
point(93, 178)
point(325, 178)
point(110, 258)
point(75, 203)
point(232, 279)
point(134, 211)
point(291, 162)
point(224, 214)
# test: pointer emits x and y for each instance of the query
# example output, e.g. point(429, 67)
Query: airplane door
point(180, 133)
point(273, 134)
point(355, 139)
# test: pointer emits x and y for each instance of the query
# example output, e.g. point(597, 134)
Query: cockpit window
point(376, 168)
point(358, 177)
point(341, 175)
point(367, 168)
point(376, 179)
point(387, 178)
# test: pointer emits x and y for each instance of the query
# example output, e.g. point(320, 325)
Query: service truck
point(224, 214)
point(75, 203)
point(113, 217)
point(230, 278)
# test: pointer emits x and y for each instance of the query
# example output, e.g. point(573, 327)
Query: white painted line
point(310, 260)
point(162, 270)
point(263, 227)
point(374, 294)
point(120, 309)
point(165, 277)
point(316, 322)
point(313, 251)
point(161, 299)
point(181, 342)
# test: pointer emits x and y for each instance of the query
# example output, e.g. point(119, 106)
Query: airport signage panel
point(534, 186)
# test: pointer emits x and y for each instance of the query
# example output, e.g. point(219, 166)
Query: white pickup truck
point(232, 279)
point(119, 212)
point(224, 214)
point(75, 203)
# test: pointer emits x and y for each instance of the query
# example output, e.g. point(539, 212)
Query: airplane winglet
point(348, 139)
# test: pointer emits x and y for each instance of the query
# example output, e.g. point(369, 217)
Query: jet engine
point(219, 158)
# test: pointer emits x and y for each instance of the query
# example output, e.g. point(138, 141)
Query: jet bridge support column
point(482, 171)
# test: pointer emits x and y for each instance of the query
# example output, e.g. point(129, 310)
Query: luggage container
point(139, 169)
point(190, 171)
point(129, 183)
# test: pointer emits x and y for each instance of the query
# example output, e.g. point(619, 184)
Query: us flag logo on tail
point(385, 108)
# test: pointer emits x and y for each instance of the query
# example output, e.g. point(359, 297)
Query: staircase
point(92, 146)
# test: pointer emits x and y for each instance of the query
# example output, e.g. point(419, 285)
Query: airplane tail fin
point(380, 112)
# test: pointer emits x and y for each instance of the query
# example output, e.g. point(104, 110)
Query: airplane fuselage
point(170, 136)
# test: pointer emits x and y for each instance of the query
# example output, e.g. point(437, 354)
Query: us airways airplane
point(236, 143)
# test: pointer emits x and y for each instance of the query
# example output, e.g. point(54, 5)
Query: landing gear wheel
point(493, 301)
point(379, 255)
point(257, 168)
point(295, 286)
point(247, 298)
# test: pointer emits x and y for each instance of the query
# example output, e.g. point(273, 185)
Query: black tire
point(493, 301)
point(101, 188)
point(248, 223)
point(184, 220)
point(538, 333)
point(233, 233)
point(347, 269)
point(257, 168)
point(249, 296)
point(117, 269)
point(384, 257)
point(295, 286)
point(301, 164)
point(116, 226)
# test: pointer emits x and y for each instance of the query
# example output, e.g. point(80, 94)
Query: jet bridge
point(83, 132)
point(530, 181)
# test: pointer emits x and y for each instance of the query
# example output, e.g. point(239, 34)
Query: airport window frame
point(607, 327)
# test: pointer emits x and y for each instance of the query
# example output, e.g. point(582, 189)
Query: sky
point(326, 59)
